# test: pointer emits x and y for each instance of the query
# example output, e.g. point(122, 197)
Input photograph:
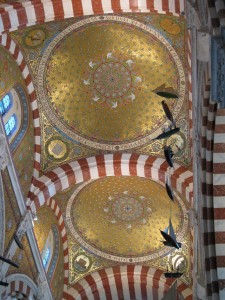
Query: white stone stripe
point(107, 6)
point(142, 5)
point(12, 47)
point(158, 5)
point(219, 225)
point(112, 283)
point(109, 168)
point(30, 13)
point(141, 165)
point(48, 10)
point(219, 138)
point(67, 9)
point(125, 5)
point(126, 290)
point(219, 157)
point(87, 7)
point(87, 289)
point(218, 179)
point(220, 249)
point(93, 167)
point(125, 160)
point(137, 281)
point(219, 202)
point(220, 120)
point(77, 170)
point(97, 279)
point(14, 19)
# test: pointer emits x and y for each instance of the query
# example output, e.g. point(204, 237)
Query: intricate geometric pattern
point(112, 80)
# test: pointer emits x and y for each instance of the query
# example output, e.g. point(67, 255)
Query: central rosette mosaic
point(112, 80)
point(127, 210)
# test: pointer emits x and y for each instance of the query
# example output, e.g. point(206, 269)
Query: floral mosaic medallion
point(112, 81)
point(127, 209)
point(120, 218)
point(82, 263)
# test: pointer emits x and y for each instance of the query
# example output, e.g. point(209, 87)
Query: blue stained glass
point(1, 108)
point(6, 101)
point(5, 104)
point(10, 126)
point(46, 257)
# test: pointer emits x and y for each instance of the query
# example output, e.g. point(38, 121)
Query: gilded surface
point(133, 117)
point(93, 208)
point(12, 213)
point(9, 72)
point(42, 226)
point(127, 210)
point(23, 158)
point(25, 260)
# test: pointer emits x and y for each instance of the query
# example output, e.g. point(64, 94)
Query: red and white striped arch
point(19, 283)
point(118, 164)
point(20, 14)
point(218, 199)
point(17, 54)
point(58, 213)
point(125, 282)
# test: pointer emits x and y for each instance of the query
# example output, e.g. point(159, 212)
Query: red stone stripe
point(148, 165)
point(165, 5)
point(220, 237)
point(133, 164)
point(85, 168)
point(77, 8)
point(106, 285)
point(151, 6)
point(21, 13)
point(100, 159)
point(118, 280)
point(144, 272)
point(130, 277)
point(81, 291)
point(6, 20)
point(69, 297)
point(116, 6)
point(58, 9)
point(39, 11)
point(134, 5)
point(70, 174)
point(177, 6)
point(97, 7)
point(93, 286)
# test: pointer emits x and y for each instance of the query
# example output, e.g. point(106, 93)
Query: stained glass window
point(46, 257)
point(5, 104)
point(10, 126)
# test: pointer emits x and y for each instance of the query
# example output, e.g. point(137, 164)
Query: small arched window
point(11, 125)
point(50, 253)
point(15, 115)
point(5, 104)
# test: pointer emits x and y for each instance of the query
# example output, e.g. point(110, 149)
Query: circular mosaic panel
point(99, 90)
point(119, 218)
point(112, 80)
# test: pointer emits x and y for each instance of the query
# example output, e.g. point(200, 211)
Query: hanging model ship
point(166, 92)
point(173, 273)
point(170, 237)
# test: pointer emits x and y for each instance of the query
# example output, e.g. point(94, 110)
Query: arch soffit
point(118, 164)
point(136, 274)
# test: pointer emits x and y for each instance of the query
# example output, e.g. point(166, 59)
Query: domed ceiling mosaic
point(95, 83)
point(118, 220)
point(96, 79)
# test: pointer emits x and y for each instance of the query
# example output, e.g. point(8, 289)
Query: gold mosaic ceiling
point(123, 216)
point(96, 82)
